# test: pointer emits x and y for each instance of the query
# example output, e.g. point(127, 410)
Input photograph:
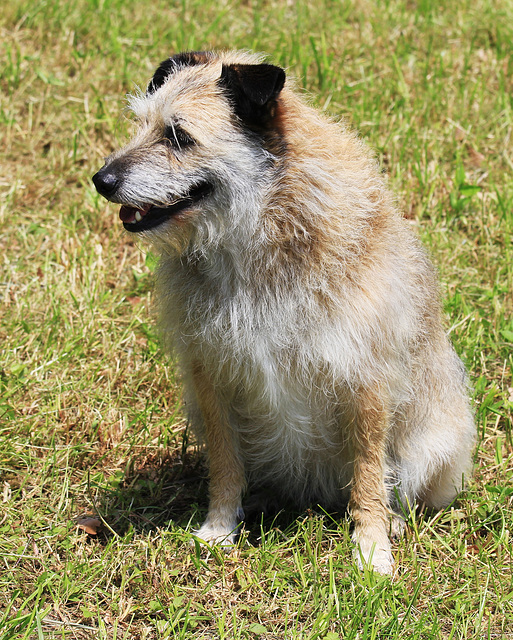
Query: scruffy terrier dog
point(305, 314)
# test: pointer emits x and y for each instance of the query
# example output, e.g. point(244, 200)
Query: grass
point(90, 410)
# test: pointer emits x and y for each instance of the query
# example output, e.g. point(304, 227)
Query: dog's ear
point(253, 89)
point(160, 76)
point(172, 64)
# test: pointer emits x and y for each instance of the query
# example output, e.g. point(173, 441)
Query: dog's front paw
point(374, 555)
point(213, 534)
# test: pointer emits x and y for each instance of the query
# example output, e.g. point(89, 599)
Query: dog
point(305, 314)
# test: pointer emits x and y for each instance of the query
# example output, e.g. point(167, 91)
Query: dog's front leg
point(226, 470)
point(368, 503)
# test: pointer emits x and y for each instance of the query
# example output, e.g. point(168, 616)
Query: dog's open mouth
point(151, 216)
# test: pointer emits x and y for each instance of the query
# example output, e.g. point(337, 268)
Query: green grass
point(90, 410)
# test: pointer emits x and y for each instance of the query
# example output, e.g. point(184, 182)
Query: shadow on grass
point(168, 490)
point(173, 489)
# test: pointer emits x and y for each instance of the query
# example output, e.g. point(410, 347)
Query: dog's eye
point(177, 137)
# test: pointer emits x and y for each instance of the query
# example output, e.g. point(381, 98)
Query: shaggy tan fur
point(304, 312)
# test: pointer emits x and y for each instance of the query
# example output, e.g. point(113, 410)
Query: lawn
point(91, 420)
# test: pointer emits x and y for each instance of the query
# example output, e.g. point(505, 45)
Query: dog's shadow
point(172, 490)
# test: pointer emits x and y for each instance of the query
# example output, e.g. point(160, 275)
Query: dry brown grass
point(90, 418)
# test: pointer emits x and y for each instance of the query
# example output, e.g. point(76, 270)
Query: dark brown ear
point(172, 64)
point(253, 90)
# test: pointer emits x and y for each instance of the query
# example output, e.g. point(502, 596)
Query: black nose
point(106, 182)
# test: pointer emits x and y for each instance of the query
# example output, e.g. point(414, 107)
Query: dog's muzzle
point(147, 216)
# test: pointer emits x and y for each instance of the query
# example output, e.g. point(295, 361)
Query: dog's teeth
point(138, 216)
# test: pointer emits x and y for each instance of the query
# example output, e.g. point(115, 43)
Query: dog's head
point(206, 125)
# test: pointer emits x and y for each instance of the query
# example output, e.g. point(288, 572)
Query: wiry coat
point(304, 312)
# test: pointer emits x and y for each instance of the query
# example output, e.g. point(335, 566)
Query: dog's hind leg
point(368, 503)
point(449, 481)
point(227, 481)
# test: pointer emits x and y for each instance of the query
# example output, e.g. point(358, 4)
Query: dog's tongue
point(127, 214)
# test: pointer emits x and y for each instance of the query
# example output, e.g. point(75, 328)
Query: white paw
point(374, 556)
point(216, 535)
